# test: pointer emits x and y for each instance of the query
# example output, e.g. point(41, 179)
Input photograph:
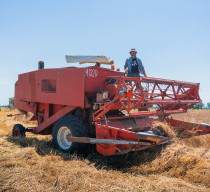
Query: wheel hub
point(16, 132)
point(62, 138)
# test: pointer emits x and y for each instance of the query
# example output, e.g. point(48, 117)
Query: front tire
point(69, 125)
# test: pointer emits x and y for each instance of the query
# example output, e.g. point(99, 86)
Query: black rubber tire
point(77, 129)
point(18, 130)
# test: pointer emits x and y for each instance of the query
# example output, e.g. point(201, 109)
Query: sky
point(172, 37)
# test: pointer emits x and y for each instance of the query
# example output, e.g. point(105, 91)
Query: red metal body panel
point(63, 86)
point(97, 77)
point(50, 120)
point(108, 132)
point(131, 124)
point(184, 125)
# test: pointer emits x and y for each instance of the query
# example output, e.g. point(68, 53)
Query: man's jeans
point(134, 75)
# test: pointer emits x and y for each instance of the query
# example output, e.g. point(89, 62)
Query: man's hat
point(133, 50)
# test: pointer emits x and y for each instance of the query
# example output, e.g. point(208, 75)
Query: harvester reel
point(129, 94)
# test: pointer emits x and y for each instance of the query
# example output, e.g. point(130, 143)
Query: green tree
point(208, 104)
point(11, 102)
point(198, 106)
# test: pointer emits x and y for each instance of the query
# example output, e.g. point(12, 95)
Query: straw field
point(31, 164)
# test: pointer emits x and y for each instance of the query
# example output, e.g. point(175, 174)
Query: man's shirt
point(134, 66)
point(129, 62)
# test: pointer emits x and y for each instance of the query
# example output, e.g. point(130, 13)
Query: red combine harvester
point(100, 106)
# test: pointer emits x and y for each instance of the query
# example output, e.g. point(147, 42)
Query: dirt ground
point(32, 164)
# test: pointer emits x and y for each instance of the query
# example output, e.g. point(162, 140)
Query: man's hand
point(126, 71)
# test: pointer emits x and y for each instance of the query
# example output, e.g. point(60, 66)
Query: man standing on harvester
point(133, 65)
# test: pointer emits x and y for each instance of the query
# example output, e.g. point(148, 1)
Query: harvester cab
point(101, 106)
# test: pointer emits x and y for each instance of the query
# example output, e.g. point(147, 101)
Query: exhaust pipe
point(40, 65)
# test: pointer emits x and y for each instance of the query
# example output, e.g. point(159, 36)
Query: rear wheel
point(65, 126)
point(18, 130)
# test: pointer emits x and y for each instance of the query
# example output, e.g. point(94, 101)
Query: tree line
point(201, 106)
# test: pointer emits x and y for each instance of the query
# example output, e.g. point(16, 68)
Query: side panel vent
point(48, 86)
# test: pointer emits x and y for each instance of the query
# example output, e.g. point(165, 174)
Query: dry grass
point(195, 116)
point(31, 164)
